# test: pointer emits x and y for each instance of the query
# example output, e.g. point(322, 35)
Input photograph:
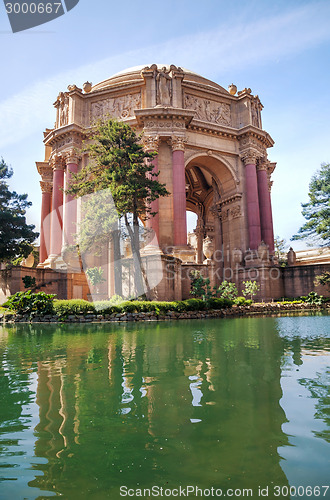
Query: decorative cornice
point(250, 132)
point(45, 170)
point(159, 112)
point(229, 200)
point(66, 135)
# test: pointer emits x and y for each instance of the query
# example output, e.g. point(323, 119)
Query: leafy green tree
point(119, 164)
point(227, 290)
point(317, 210)
point(200, 287)
point(323, 279)
point(251, 288)
point(16, 236)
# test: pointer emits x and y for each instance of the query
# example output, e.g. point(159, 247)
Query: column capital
point(177, 143)
point(262, 166)
point(151, 142)
point(46, 187)
point(249, 157)
point(72, 156)
point(57, 162)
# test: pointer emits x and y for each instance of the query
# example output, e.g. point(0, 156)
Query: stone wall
point(299, 280)
point(65, 286)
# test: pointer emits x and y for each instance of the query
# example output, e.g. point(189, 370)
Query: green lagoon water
point(231, 404)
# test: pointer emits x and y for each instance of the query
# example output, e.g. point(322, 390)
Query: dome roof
point(133, 74)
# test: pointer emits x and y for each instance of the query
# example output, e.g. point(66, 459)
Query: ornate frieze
point(164, 124)
point(208, 110)
point(117, 107)
point(230, 213)
point(235, 212)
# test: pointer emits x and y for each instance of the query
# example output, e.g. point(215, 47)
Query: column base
point(55, 262)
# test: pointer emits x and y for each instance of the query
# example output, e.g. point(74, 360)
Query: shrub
point(64, 308)
point(219, 303)
point(29, 282)
point(34, 304)
point(312, 298)
point(200, 286)
point(242, 301)
point(227, 290)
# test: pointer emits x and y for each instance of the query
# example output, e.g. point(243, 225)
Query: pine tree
point(317, 210)
point(16, 236)
point(119, 169)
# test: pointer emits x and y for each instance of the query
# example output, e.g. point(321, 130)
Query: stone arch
point(219, 167)
point(210, 180)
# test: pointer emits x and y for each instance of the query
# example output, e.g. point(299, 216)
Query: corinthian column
point(70, 203)
point(179, 192)
point(152, 144)
point(57, 208)
point(46, 204)
point(252, 198)
point(266, 219)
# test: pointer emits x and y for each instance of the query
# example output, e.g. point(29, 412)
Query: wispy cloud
point(213, 53)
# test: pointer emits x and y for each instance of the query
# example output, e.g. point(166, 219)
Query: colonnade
point(258, 202)
point(58, 209)
point(57, 231)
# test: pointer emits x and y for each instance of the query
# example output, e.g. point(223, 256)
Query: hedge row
point(64, 308)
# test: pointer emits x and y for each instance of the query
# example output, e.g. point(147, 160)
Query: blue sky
point(279, 49)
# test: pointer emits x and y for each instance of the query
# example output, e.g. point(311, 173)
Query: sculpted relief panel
point(118, 107)
point(210, 111)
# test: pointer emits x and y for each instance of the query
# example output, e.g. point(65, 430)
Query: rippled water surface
point(231, 404)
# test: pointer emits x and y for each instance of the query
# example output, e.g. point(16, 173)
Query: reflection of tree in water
point(320, 389)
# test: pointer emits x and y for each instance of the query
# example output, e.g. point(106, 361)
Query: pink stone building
point(212, 156)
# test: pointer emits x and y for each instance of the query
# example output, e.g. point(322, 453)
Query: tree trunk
point(117, 260)
point(139, 271)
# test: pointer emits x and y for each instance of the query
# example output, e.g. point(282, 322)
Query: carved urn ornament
point(87, 87)
point(232, 89)
point(208, 247)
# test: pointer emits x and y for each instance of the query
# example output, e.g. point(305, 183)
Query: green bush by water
point(34, 304)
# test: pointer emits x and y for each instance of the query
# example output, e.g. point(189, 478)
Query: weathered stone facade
point(212, 156)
